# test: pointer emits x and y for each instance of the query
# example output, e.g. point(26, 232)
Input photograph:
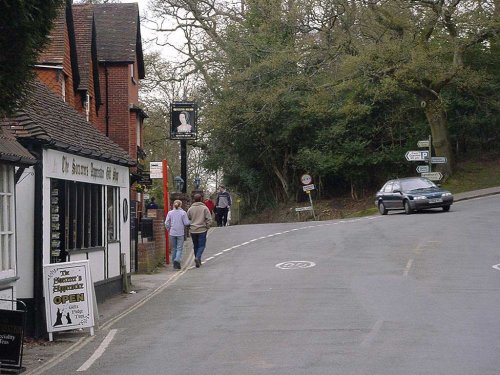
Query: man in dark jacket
point(222, 205)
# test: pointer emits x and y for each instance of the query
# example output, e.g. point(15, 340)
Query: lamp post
point(197, 182)
point(179, 183)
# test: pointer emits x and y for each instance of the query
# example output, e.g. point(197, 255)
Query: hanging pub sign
point(183, 120)
point(69, 299)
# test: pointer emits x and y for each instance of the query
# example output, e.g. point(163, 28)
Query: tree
point(24, 29)
point(421, 45)
point(337, 88)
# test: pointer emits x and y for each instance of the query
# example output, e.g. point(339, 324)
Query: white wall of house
point(25, 206)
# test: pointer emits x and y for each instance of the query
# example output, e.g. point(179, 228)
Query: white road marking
point(99, 352)
point(216, 255)
point(372, 334)
point(295, 264)
point(497, 267)
point(407, 268)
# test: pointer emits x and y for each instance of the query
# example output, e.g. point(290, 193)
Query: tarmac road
point(371, 301)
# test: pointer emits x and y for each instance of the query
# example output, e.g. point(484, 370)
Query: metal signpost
point(426, 170)
point(306, 180)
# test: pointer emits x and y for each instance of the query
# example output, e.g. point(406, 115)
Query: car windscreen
point(417, 183)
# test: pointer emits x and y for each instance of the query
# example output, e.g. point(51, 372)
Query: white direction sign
point(422, 169)
point(439, 160)
point(300, 209)
point(433, 176)
point(308, 187)
point(417, 155)
point(155, 169)
point(423, 143)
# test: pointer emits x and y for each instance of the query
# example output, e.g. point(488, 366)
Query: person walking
point(200, 218)
point(175, 223)
point(222, 205)
point(152, 204)
point(210, 205)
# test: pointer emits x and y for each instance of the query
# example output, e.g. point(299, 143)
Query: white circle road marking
point(295, 264)
point(285, 232)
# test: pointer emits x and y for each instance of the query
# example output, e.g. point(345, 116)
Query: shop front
point(86, 202)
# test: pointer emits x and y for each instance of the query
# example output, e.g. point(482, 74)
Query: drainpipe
point(106, 74)
point(39, 306)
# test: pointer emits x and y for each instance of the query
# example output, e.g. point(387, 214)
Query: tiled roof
point(53, 54)
point(119, 33)
point(83, 21)
point(11, 150)
point(46, 118)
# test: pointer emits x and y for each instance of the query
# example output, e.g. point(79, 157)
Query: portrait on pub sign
point(183, 121)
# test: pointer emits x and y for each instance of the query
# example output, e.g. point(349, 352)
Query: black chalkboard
point(11, 337)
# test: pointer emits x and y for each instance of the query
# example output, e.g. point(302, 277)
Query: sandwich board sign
point(69, 296)
point(12, 326)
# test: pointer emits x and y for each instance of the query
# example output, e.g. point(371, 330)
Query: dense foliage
point(24, 29)
point(340, 89)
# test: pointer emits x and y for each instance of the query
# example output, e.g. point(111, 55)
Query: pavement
point(40, 354)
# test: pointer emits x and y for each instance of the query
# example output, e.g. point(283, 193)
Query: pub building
point(73, 204)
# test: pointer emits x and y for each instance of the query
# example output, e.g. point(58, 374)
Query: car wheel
point(446, 208)
point(407, 207)
point(382, 209)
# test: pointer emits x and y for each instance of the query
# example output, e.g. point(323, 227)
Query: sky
point(148, 34)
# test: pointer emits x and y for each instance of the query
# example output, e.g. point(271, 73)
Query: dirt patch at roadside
point(330, 209)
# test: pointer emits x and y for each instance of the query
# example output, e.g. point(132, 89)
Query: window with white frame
point(76, 217)
point(113, 198)
point(7, 222)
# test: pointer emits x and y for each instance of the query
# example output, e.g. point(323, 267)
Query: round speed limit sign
point(306, 179)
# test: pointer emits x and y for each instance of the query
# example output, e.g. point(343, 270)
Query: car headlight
point(419, 197)
point(446, 194)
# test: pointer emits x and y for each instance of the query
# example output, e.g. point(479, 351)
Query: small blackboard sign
point(11, 337)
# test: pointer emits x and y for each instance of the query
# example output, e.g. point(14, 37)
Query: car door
point(386, 194)
point(397, 196)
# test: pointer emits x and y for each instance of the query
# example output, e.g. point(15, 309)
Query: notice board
point(69, 296)
point(11, 337)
